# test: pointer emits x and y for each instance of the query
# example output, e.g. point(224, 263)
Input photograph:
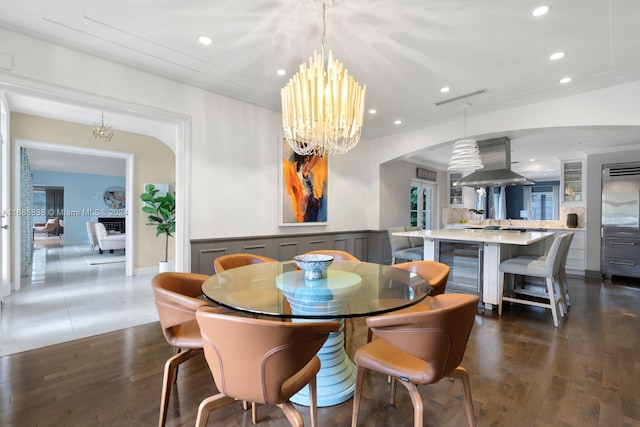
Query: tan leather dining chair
point(176, 302)
point(336, 254)
point(260, 360)
point(235, 260)
point(434, 272)
point(229, 261)
point(420, 348)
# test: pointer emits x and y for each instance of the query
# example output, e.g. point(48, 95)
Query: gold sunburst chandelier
point(322, 109)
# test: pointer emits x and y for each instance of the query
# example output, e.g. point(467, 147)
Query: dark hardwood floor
point(524, 372)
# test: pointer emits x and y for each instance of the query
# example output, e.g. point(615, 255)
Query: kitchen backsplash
point(456, 215)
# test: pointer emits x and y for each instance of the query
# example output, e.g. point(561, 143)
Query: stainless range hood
point(496, 158)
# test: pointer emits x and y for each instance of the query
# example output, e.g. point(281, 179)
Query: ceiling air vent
point(458, 98)
point(620, 170)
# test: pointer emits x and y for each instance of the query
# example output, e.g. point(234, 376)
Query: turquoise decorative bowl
point(313, 265)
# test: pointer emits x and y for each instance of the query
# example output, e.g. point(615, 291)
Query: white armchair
point(91, 232)
point(108, 242)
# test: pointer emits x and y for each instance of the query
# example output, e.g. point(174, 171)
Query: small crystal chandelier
point(322, 109)
point(101, 132)
point(465, 155)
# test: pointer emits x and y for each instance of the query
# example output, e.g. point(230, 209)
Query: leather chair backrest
point(438, 336)
point(253, 359)
point(227, 262)
point(176, 297)
point(434, 272)
point(336, 254)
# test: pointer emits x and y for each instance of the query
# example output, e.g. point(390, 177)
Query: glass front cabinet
point(572, 185)
point(455, 193)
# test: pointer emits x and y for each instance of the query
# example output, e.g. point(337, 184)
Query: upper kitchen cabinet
point(455, 193)
point(572, 183)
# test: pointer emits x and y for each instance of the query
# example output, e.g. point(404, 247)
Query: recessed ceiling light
point(281, 72)
point(582, 142)
point(204, 40)
point(445, 89)
point(532, 160)
point(556, 55)
point(565, 80)
point(372, 111)
point(397, 122)
point(542, 10)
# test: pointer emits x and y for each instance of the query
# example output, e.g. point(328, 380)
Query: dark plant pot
point(572, 220)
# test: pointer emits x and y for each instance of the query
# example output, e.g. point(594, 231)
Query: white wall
point(395, 179)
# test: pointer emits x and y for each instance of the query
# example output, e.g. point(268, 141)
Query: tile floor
point(66, 299)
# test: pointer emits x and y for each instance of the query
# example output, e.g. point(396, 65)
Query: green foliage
point(162, 213)
point(477, 211)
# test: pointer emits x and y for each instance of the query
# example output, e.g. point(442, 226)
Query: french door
point(422, 206)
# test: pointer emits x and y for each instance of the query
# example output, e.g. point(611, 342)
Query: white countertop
point(458, 225)
point(507, 237)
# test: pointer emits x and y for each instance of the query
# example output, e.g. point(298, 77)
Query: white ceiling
point(404, 51)
point(55, 161)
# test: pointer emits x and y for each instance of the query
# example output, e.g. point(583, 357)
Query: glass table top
point(347, 289)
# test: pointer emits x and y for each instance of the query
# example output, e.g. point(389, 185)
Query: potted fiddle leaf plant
point(162, 215)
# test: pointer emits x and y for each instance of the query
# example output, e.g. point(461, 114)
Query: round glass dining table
point(347, 289)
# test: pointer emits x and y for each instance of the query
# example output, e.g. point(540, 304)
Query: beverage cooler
point(465, 261)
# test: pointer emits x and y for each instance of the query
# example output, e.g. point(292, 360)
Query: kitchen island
point(493, 247)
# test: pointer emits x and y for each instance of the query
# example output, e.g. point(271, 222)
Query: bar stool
point(546, 267)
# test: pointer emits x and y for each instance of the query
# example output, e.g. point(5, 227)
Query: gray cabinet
point(621, 254)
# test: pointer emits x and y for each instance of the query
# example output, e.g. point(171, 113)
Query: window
point(422, 204)
point(543, 202)
point(537, 202)
point(39, 205)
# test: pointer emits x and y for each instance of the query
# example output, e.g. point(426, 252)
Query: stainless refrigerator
point(620, 243)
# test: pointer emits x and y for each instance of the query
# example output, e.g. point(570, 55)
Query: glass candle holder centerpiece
point(313, 265)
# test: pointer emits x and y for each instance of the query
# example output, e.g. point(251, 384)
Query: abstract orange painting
point(304, 192)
